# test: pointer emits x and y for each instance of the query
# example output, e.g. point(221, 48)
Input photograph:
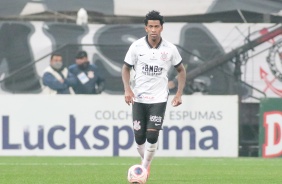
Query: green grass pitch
point(101, 170)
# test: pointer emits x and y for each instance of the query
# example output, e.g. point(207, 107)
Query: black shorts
point(148, 116)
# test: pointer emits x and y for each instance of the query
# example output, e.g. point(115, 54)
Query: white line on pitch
point(72, 164)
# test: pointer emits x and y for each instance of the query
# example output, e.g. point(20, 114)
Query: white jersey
point(151, 67)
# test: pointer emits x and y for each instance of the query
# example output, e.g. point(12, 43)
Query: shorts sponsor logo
point(155, 119)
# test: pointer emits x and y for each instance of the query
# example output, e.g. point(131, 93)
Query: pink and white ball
point(137, 174)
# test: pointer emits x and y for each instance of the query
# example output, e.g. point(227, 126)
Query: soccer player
point(150, 57)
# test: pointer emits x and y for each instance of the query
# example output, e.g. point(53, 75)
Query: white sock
point(140, 149)
point(149, 154)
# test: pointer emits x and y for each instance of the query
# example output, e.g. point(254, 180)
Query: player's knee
point(140, 139)
point(152, 136)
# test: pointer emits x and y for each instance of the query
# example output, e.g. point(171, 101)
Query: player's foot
point(148, 171)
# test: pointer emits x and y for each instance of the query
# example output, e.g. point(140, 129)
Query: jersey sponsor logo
point(142, 96)
point(152, 70)
point(157, 119)
point(136, 125)
point(157, 124)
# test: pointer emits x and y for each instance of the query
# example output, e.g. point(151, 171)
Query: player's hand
point(176, 101)
point(129, 97)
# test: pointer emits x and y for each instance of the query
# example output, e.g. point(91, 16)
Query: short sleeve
point(176, 57)
point(130, 56)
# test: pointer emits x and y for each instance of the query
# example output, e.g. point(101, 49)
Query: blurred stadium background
point(230, 48)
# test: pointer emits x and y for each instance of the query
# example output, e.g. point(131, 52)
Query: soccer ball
point(137, 174)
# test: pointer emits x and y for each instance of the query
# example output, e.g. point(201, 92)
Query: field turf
point(101, 170)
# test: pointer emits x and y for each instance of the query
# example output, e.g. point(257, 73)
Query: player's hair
point(153, 15)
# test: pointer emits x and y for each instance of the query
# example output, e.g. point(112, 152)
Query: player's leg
point(139, 127)
point(151, 147)
point(155, 120)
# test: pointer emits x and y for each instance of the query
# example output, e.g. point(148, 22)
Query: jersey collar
point(151, 45)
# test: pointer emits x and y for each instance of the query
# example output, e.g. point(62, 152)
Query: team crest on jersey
point(164, 56)
point(136, 125)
